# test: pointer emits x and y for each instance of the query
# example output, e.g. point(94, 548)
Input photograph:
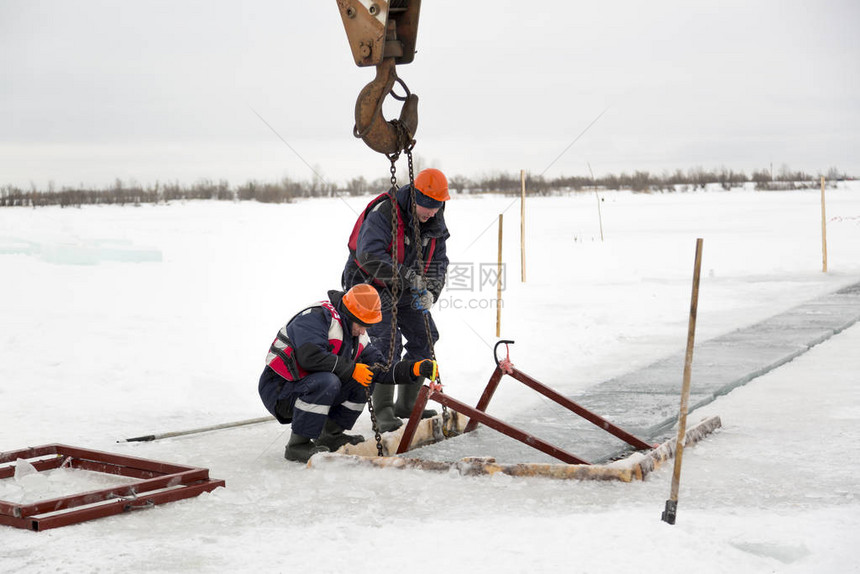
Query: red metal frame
point(478, 414)
point(159, 482)
point(591, 417)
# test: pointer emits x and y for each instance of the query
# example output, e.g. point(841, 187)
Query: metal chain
point(419, 258)
point(405, 143)
point(369, 398)
point(395, 294)
point(395, 278)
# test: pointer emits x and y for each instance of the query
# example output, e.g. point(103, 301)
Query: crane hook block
point(388, 137)
point(382, 33)
point(378, 29)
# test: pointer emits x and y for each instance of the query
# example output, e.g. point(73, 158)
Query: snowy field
point(120, 322)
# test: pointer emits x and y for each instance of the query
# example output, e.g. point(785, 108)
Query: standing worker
point(370, 261)
point(318, 367)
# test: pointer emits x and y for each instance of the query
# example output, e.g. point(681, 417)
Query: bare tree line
point(287, 190)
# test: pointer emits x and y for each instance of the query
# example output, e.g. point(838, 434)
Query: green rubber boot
point(383, 408)
point(406, 397)
point(301, 448)
point(333, 436)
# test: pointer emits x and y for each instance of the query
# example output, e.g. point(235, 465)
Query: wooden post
point(823, 231)
point(499, 282)
point(672, 503)
point(599, 216)
point(523, 225)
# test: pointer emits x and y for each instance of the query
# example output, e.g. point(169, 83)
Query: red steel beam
point(8, 520)
point(158, 482)
point(127, 490)
point(591, 417)
point(107, 468)
point(96, 455)
point(121, 460)
point(486, 396)
point(7, 509)
point(30, 452)
point(120, 506)
point(414, 419)
point(40, 465)
point(426, 394)
point(478, 415)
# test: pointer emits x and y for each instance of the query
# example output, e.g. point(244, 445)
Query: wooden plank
point(635, 467)
point(428, 431)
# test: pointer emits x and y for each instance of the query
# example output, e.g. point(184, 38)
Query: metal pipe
point(150, 437)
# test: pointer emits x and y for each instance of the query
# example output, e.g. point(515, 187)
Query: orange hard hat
point(432, 183)
point(362, 302)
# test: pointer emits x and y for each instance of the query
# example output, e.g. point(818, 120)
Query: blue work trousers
point(410, 326)
point(308, 402)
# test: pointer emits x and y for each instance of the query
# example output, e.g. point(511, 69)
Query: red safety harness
point(401, 234)
point(281, 355)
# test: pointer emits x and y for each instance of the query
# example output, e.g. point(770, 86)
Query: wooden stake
point(523, 225)
point(499, 283)
point(635, 467)
point(672, 504)
point(599, 216)
point(823, 232)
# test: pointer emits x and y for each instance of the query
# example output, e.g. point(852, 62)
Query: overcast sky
point(170, 90)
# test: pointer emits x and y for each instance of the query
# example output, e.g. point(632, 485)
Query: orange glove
point(426, 368)
point(362, 374)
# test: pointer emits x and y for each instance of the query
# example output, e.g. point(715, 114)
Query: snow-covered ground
point(119, 322)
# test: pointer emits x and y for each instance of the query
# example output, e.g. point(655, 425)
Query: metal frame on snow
point(159, 482)
point(478, 414)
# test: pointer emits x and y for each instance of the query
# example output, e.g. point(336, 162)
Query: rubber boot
point(301, 448)
point(406, 397)
point(383, 408)
point(333, 436)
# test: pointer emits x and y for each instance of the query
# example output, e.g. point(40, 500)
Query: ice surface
point(23, 468)
point(92, 354)
point(29, 485)
point(80, 252)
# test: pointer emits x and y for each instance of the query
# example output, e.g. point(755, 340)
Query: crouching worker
point(318, 368)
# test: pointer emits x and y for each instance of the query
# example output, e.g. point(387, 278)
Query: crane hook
point(388, 137)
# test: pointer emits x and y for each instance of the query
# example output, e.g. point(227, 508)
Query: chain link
point(376, 434)
point(409, 144)
point(395, 294)
point(419, 258)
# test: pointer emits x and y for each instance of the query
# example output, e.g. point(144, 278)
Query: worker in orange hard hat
point(318, 367)
point(374, 237)
point(432, 187)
